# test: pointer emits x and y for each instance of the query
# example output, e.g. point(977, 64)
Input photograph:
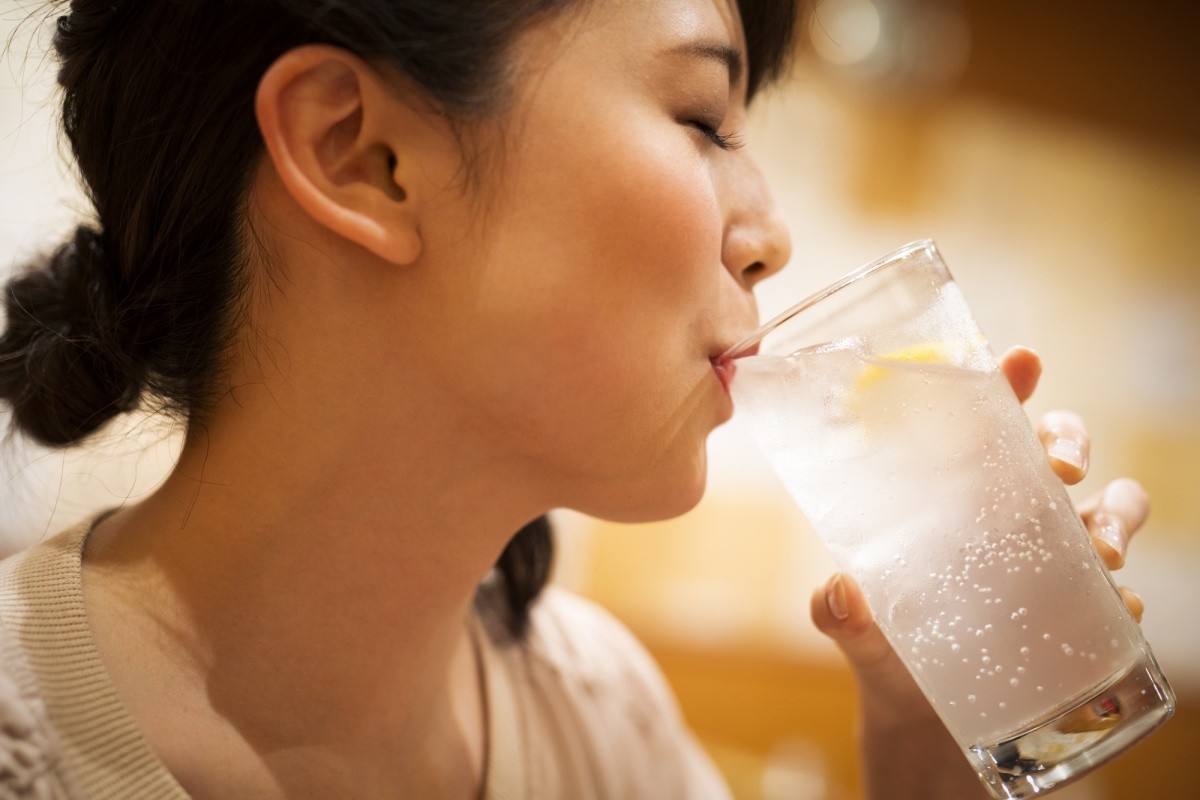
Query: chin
point(657, 496)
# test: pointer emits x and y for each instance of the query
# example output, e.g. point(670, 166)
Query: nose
point(756, 241)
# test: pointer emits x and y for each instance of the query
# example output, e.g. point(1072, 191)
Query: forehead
point(634, 24)
point(688, 17)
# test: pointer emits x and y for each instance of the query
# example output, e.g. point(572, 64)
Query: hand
point(894, 713)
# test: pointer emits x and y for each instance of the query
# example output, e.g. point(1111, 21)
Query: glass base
point(1079, 739)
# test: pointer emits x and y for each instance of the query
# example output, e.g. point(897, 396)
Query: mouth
point(725, 367)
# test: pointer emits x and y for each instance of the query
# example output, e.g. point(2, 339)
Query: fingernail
point(1108, 529)
point(835, 598)
point(1068, 451)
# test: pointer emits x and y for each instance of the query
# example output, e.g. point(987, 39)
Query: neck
point(320, 582)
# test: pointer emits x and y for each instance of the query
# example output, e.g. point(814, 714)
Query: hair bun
point(61, 363)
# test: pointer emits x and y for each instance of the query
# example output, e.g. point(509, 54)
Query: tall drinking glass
point(884, 412)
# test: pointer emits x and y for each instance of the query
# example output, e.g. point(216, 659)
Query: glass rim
point(899, 254)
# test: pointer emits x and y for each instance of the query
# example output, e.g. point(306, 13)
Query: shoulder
point(30, 754)
point(37, 585)
point(582, 642)
point(593, 686)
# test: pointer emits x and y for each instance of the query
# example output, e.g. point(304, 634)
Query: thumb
point(840, 611)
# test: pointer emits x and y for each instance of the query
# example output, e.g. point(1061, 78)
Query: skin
point(432, 357)
point(431, 362)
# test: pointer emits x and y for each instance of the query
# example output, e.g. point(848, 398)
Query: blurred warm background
point(1051, 148)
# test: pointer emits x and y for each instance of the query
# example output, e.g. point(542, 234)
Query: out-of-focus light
point(911, 45)
point(795, 770)
point(934, 44)
point(846, 31)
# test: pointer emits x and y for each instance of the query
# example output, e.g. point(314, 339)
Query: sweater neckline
point(106, 753)
point(110, 757)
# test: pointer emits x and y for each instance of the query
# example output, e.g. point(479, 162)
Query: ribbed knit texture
point(578, 709)
point(41, 606)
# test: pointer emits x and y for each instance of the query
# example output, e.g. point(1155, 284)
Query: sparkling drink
point(891, 425)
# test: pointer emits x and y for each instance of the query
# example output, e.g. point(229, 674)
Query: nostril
point(754, 273)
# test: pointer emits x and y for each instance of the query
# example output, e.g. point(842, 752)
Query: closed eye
point(732, 141)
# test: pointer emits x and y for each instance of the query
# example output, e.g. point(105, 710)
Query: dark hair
point(145, 302)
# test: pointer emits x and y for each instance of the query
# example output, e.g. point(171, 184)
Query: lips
point(726, 368)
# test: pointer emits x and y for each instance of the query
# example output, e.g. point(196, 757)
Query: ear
point(345, 145)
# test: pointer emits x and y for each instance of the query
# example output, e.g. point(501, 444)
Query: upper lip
point(718, 356)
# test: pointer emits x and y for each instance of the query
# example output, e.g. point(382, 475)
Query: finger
point(1133, 602)
point(1113, 516)
point(840, 611)
point(1065, 438)
point(1022, 366)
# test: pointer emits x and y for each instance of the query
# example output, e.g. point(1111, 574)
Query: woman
point(413, 273)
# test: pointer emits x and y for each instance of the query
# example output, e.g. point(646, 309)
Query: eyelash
point(732, 141)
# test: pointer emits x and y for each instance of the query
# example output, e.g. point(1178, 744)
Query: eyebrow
point(730, 57)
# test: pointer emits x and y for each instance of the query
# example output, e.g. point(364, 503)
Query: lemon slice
point(961, 352)
point(926, 353)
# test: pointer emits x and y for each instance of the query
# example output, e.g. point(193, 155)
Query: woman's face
point(574, 304)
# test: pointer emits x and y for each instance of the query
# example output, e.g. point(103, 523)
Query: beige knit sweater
point(577, 710)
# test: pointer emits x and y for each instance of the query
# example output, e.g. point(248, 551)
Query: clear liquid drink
point(886, 416)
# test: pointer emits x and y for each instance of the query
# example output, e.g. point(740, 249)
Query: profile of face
point(562, 282)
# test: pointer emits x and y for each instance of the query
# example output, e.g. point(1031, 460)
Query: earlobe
point(312, 107)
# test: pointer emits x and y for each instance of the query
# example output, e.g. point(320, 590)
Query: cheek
point(600, 282)
point(660, 215)
point(631, 255)
point(626, 232)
